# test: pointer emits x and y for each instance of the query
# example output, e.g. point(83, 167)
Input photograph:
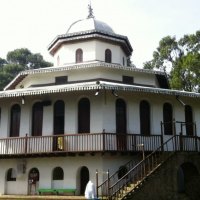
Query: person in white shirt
point(90, 190)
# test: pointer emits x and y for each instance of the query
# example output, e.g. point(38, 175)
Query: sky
point(33, 24)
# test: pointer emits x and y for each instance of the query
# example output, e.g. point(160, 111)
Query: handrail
point(140, 171)
point(128, 166)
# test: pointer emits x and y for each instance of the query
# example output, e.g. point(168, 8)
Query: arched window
point(37, 119)
point(79, 55)
point(11, 175)
point(59, 117)
point(167, 119)
point(144, 118)
point(58, 174)
point(108, 56)
point(58, 60)
point(84, 116)
point(121, 124)
point(0, 116)
point(189, 120)
point(59, 124)
point(120, 116)
point(15, 120)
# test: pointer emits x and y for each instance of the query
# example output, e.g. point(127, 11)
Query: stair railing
point(137, 174)
point(111, 179)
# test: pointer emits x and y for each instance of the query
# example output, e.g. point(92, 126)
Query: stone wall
point(163, 183)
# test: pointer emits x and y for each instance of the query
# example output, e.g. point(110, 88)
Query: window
point(167, 119)
point(58, 60)
point(121, 124)
point(79, 55)
point(123, 61)
point(127, 79)
point(11, 175)
point(59, 117)
point(189, 120)
point(108, 56)
point(15, 114)
point(58, 125)
point(61, 80)
point(0, 116)
point(120, 116)
point(58, 174)
point(122, 171)
point(144, 118)
point(84, 116)
point(37, 119)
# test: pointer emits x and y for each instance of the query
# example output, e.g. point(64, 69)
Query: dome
point(89, 24)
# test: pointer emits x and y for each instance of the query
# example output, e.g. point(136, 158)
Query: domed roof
point(89, 24)
point(90, 28)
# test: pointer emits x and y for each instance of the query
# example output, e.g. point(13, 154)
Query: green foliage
point(19, 60)
point(27, 59)
point(2, 62)
point(19, 56)
point(180, 59)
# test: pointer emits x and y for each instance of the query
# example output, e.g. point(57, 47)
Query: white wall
point(92, 50)
point(70, 165)
point(102, 114)
point(102, 117)
point(86, 74)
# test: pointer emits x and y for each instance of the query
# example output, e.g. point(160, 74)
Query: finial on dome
point(90, 10)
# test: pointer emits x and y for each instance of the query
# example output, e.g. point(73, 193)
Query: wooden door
point(84, 116)
point(189, 120)
point(144, 118)
point(59, 125)
point(121, 124)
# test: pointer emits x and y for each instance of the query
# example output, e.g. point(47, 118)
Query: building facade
point(93, 110)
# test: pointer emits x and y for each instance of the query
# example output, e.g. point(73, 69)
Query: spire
point(90, 10)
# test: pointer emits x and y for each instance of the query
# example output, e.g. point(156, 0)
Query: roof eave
point(101, 85)
point(60, 39)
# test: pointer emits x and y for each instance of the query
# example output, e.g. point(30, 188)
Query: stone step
point(37, 197)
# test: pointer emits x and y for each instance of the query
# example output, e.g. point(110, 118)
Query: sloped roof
point(68, 67)
point(101, 85)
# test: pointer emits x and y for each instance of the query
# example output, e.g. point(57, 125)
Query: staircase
point(104, 187)
point(123, 187)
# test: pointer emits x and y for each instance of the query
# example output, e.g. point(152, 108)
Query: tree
point(19, 56)
point(19, 60)
point(180, 59)
point(2, 62)
point(27, 59)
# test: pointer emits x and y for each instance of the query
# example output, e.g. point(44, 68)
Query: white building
point(91, 111)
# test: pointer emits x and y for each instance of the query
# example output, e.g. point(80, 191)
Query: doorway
point(59, 125)
point(33, 181)
point(188, 179)
point(84, 178)
point(121, 124)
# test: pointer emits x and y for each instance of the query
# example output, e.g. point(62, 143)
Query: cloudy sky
point(33, 24)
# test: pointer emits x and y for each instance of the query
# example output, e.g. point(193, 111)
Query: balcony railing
point(77, 143)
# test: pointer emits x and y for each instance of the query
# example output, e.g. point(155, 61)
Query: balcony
point(71, 144)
